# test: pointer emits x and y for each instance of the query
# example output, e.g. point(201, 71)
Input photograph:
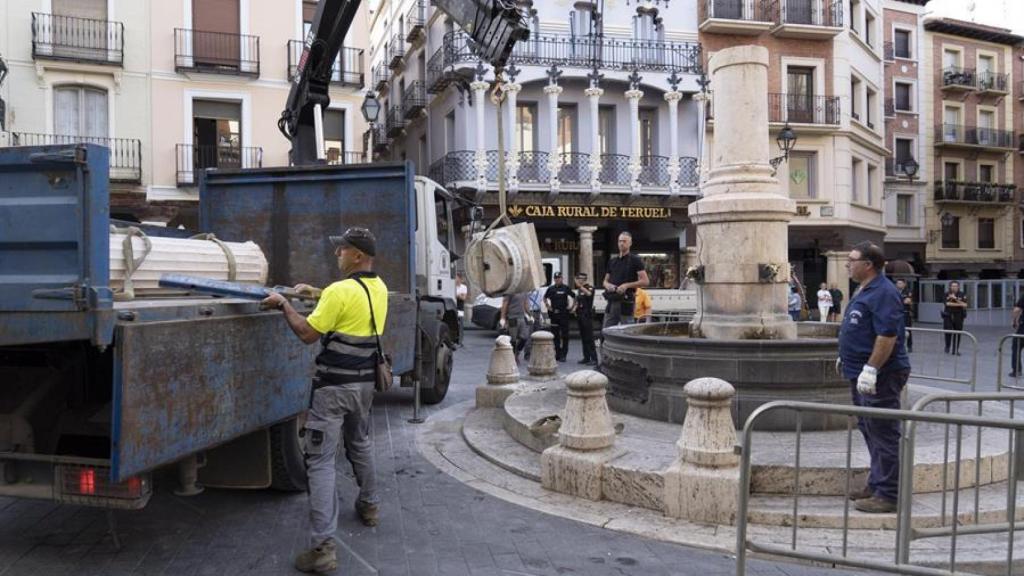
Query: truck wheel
point(437, 371)
point(288, 466)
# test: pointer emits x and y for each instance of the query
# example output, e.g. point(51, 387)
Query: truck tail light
point(81, 483)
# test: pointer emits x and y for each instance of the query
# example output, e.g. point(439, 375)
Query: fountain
point(742, 332)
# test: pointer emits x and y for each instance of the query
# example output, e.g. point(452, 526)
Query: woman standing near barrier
point(953, 316)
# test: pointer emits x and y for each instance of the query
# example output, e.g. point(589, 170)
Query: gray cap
point(359, 238)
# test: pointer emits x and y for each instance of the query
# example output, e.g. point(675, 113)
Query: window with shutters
point(80, 111)
point(986, 233)
point(904, 102)
point(951, 233)
point(901, 43)
point(606, 128)
point(904, 209)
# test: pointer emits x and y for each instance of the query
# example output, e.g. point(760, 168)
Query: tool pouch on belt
point(383, 376)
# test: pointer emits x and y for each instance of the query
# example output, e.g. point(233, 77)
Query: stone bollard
point(502, 375)
point(703, 483)
point(542, 356)
point(587, 438)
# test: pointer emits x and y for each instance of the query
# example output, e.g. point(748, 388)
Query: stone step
point(651, 448)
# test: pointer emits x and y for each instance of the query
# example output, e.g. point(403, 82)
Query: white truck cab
point(435, 240)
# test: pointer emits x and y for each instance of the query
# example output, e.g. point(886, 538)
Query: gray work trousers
point(340, 412)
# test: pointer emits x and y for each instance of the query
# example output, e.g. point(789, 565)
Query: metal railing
point(957, 76)
point(348, 68)
point(803, 109)
point(414, 99)
point(746, 10)
point(57, 37)
point(415, 18)
point(952, 371)
point(575, 168)
point(889, 51)
point(381, 140)
point(533, 167)
point(585, 51)
point(396, 51)
point(615, 169)
point(381, 77)
point(125, 153)
point(437, 76)
point(395, 122)
point(890, 108)
point(895, 167)
point(654, 170)
point(336, 157)
point(839, 546)
point(993, 82)
point(827, 13)
point(216, 52)
point(689, 175)
point(192, 158)
point(974, 136)
point(1015, 368)
point(987, 192)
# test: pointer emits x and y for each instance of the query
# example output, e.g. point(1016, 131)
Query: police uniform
point(908, 316)
point(559, 296)
point(877, 310)
point(342, 394)
point(585, 320)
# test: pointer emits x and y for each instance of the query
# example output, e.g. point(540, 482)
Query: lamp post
point(371, 111)
point(785, 141)
point(910, 167)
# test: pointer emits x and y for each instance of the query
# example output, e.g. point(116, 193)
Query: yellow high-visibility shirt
point(343, 307)
point(643, 304)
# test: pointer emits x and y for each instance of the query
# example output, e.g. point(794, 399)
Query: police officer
point(908, 311)
point(559, 300)
point(874, 359)
point(585, 318)
point(347, 320)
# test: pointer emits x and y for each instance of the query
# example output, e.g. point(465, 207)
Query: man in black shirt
point(557, 299)
point(625, 274)
point(1018, 343)
point(908, 311)
point(585, 318)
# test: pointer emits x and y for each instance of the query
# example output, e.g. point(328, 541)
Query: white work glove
point(866, 380)
point(839, 366)
point(501, 323)
point(529, 319)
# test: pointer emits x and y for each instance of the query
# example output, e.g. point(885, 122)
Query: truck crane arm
point(494, 26)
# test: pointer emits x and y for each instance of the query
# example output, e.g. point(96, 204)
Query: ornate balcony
point(347, 71)
point(951, 191)
point(809, 19)
point(890, 108)
point(414, 100)
point(575, 168)
point(804, 109)
point(689, 176)
point(395, 122)
point(615, 170)
point(381, 77)
point(746, 17)
point(992, 83)
point(533, 168)
point(894, 168)
point(56, 37)
point(125, 153)
point(414, 21)
point(889, 51)
point(216, 53)
point(381, 141)
point(396, 52)
point(957, 136)
point(437, 77)
point(956, 79)
point(344, 158)
point(654, 171)
point(192, 159)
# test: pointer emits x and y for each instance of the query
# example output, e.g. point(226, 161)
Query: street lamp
point(371, 111)
point(786, 140)
point(910, 167)
point(946, 219)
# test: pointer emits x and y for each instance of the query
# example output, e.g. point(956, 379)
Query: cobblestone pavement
point(430, 524)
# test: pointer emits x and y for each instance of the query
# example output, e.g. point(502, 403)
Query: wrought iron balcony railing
point(192, 159)
point(381, 140)
point(993, 82)
point(689, 176)
point(956, 77)
point(745, 10)
point(980, 192)
point(437, 77)
point(57, 37)
point(396, 51)
point(575, 168)
point(395, 122)
point(828, 13)
point(890, 108)
point(803, 109)
point(654, 171)
point(414, 99)
point(348, 69)
point(415, 20)
point(894, 167)
point(125, 153)
point(381, 77)
point(889, 50)
point(585, 51)
point(615, 170)
point(955, 134)
point(216, 52)
point(336, 157)
point(533, 167)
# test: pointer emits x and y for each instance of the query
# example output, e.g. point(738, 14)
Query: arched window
point(80, 111)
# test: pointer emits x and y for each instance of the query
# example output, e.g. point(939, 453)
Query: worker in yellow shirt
point(642, 308)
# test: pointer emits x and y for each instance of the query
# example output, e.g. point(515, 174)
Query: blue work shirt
point(875, 310)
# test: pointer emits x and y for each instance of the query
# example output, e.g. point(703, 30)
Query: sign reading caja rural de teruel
point(613, 212)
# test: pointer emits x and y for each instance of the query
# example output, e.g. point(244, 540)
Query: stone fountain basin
point(647, 366)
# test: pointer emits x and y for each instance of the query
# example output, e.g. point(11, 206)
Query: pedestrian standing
point(461, 295)
point(642, 308)
point(516, 319)
point(625, 274)
point(908, 311)
point(794, 303)
point(874, 359)
point(953, 316)
point(534, 303)
point(1018, 330)
point(559, 300)
point(837, 304)
point(348, 321)
point(824, 302)
point(585, 318)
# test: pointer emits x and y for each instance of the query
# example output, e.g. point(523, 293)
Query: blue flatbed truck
point(97, 393)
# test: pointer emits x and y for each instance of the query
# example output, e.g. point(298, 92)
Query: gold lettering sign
point(532, 211)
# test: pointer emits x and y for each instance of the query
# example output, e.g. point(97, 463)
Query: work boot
point(875, 505)
point(320, 559)
point(368, 513)
point(861, 494)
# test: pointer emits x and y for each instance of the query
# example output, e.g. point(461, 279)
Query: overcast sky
point(1002, 13)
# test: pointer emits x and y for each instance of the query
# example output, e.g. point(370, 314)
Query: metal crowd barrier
point(938, 370)
point(1018, 340)
point(905, 533)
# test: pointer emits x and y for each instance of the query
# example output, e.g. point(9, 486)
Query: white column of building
point(512, 150)
point(554, 158)
point(594, 95)
point(479, 88)
point(673, 98)
point(634, 95)
point(586, 263)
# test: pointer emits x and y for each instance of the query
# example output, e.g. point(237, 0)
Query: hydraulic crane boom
point(494, 26)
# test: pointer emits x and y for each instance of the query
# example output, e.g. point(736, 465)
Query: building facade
point(825, 81)
point(588, 152)
point(172, 88)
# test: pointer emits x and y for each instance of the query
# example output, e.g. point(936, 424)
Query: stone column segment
point(594, 95)
point(634, 96)
point(502, 375)
point(512, 155)
point(479, 88)
point(542, 355)
point(673, 99)
point(742, 218)
point(554, 158)
point(586, 263)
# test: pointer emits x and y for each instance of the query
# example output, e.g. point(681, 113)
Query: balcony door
point(215, 33)
point(80, 112)
point(950, 124)
point(78, 28)
point(800, 11)
point(731, 9)
point(800, 94)
point(986, 128)
point(216, 134)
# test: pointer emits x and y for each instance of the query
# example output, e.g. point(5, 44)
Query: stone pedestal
point(742, 220)
point(542, 355)
point(587, 438)
point(703, 484)
point(502, 376)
